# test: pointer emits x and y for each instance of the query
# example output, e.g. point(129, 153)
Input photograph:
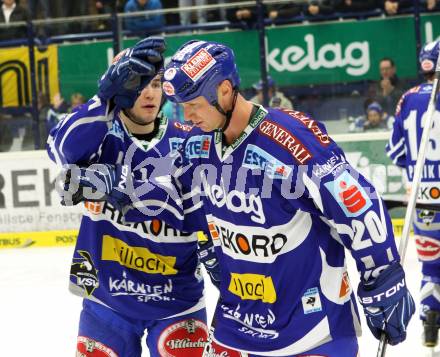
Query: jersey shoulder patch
point(297, 133)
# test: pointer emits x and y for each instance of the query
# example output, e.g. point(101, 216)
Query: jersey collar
point(223, 150)
point(148, 145)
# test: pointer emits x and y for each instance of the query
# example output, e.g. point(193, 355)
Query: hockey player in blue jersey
point(403, 150)
point(281, 203)
point(133, 277)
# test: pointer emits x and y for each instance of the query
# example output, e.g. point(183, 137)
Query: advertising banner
point(28, 200)
point(15, 74)
point(318, 53)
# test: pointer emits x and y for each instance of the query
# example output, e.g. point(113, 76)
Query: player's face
point(202, 114)
point(147, 105)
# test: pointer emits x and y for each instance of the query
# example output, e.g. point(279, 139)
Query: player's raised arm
point(171, 193)
point(78, 137)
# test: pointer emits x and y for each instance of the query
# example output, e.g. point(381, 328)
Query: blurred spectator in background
point(43, 104)
point(222, 11)
point(105, 7)
point(388, 90)
point(171, 18)
point(356, 5)
point(375, 119)
point(283, 11)
point(185, 16)
point(12, 12)
point(245, 14)
point(430, 5)
point(76, 100)
point(75, 8)
point(392, 7)
point(43, 7)
point(276, 98)
point(319, 7)
point(143, 24)
point(6, 136)
point(60, 107)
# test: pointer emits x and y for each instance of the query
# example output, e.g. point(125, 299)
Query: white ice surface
point(39, 317)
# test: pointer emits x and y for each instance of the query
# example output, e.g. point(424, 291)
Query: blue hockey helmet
point(428, 57)
point(197, 69)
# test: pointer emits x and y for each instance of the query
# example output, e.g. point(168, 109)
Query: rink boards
point(68, 237)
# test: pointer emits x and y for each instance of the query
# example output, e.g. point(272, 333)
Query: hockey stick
point(415, 184)
point(390, 204)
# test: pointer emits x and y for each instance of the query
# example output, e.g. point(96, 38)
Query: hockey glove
point(131, 71)
point(387, 303)
point(207, 256)
point(97, 182)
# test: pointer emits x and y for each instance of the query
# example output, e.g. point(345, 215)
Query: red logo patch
point(351, 197)
point(216, 350)
point(94, 207)
point(183, 127)
point(184, 338)
point(345, 286)
point(88, 347)
point(282, 137)
point(198, 64)
point(428, 248)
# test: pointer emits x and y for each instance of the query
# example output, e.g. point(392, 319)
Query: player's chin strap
point(227, 114)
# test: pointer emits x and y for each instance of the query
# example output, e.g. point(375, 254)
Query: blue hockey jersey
point(147, 270)
point(403, 149)
point(281, 203)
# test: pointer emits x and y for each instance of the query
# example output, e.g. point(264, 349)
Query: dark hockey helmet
point(428, 57)
point(197, 69)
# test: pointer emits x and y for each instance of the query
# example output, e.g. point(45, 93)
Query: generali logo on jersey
point(310, 124)
point(198, 64)
point(284, 138)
